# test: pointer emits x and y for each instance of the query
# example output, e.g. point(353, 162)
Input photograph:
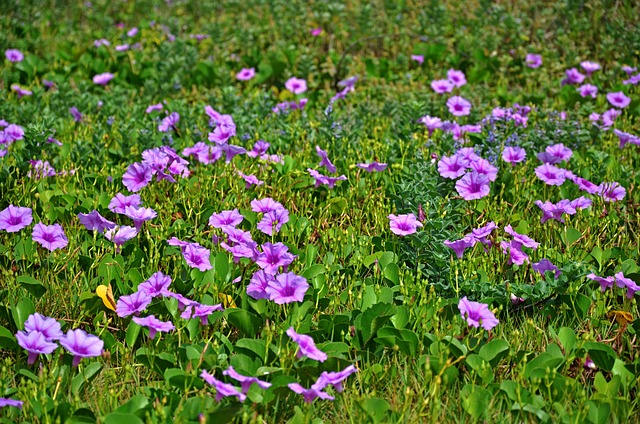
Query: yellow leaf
point(622, 317)
point(227, 301)
point(106, 294)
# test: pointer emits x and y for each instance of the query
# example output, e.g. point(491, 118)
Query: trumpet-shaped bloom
point(624, 282)
point(618, 99)
point(246, 74)
point(197, 256)
point(93, 221)
point(169, 122)
point(11, 402)
point(296, 85)
point(287, 288)
point(459, 246)
point(198, 310)
point(77, 115)
point(589, 67)
point(550, 175)
point(257, 288)
point(81, 345)
point(50, 237)
point(373, 166)
point(273, 257)
point(546, 265)
point(35, 343)
point(119, 235)
point(605, 282)
point(133, 303)
point(156, 284)
point(573, 76)
point(311, 394)
point(611, 192)
point(456, 78)
point(484, 167)
point(324, 160)
point(139, 215)
point(514, 154)
point(227, 218)
point(625, 138)
point(325, 180)
point(273, 221)
point(14, 55)
point(154, 325)
point(588, 90)
point(442, 86)
point(265, 205)
point(473, 186)
point(432, 123)
point(404, 224)
point(452, 166)
point(119, 202)
point(245, 382)
point(521, 239)
point(533, 60)
point(15, 218)
point(335, 378)
point(307, 346)
point(477, 314)
point(459, 106)
point(222, 389)
point(138, 175)
point(103, 79)
point(49, 327)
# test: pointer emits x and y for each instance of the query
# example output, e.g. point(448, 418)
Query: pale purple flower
point(334, 378)
point(311, 394)
point(265, 205)
point(594, 118)
point(40, 169)
point(533, 60)
point(77, 116)
point(559, 151)
point(404, 224)
point(418, 58)
point(477, 314)
point(605, 282)
point(307, 346)
point(348, 83)
point(49, 327)
point(139, 215)
point(618, 99)
point(625, 138)
point(122, 47)
point(10, 402)
point(442, 86)
point(138, 175)
point(573, 76)
point(132, 32)
point(119, 235)
point(586, 185)
point(609, 117)
point(581, 203)
point(550, 175)
point(521, 239)
point(432, 123)
point(296, 85)
point(119, 202)
point(514, 154)
point(156, 284)
point(484, 167)
point(103, 79)
point(151, 108)
point(224, 130)
point(250, 180)
point(259, 148)
point(154, 325)
point(54, 141)
point(633, 80)
point(480, 234)
point(514, 249)
point(245, 382)
point(50, 237)
point(81, 345)
point(587, 90)
point(324, 160)
point(93, 221)
point(183, 302)
point(258, 285)
point(373, 166)
point(459, 246)
point(452, 166)
point(21, 92)
point(101, 42)
point(589, 67)
point(628, 69)
point(169, 122)
point(321, 179)
point(14, 55)
point(222, 389)
point(246, 74)
point(15, 218)
point(611, 192)
point(316, 31)
point(273, 221)
point(35, 343)
point(624, 282)
point(459, 106)
point(13, 132)
point(197, 256)
point(287, 288)
point(226, 218)
point(133, 303)
point(456, 78)
point(546, 265)
point(473, 186)
point(198, 310)
point(273, 257)
point(549, 211)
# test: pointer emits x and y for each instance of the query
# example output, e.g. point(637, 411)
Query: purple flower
point(273, 221)
point(77, 116)
point(287, 288)
point(119, 202)
point(586, 185)
point(13, 132)
point(245, 382)
point(133, 303)
point(521, 239)
point(611, 192)
point(549, 211)
point(307, 347)
point(316, 31)
point(477, 314)
point(50, 237)
point(628, 69)
point(11, 402)
point(169, 122)
point(40, 169)
point(14, 55)
point(625, 138)
point(634, 80)
point(226, 218)
point(459, 246)
point(273, 257)
point(480, 234)
point(122, 47)
point(94, 221)
point(197, 256)
point(119, 235)
point(139, 215)
point(459, 106)
point(295, 85)
point(456, 78)
point(418, 58)
point(259, 148)
point(452, 166)
point(373, 166)
point(225, 129)
point(137, 176)
point(250, 180)
point(132, 32)
point(258, 285)
point(265, 205)
point(546, 265)
point(516, 255)
point(432, 123)
point(35, 343)
point(533, 60)
point(609, 117)
point(573, 76)
point(49, 327)
point(15, 218)
point(154, 325)
point(156, 284)
point(581, 203)
point(588, 90)
point(605, 283)
point(559, 151)
point(618, 99)
point(473, 186)
point(103, 79)
point(334, 378)
point(631, 286)
point(550, 174)
point(589, 67)
point(21, 91)
point(513, 154)
point(246, 74)
point(311, 394)
point(222, 389)
point(324, 160)
point(81, 345)
point(101, 42)
point(183, 302)
point(325, 180)
point(442, 86)
point(151, 108)
point(404, 224)
point(198, 310)
point(484, 167)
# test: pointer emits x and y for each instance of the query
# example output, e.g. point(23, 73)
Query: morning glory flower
point(35, 343)
point(49, 327)
point(139, 215)
point(273, 257)
point(287, 288)
point(588, 90)
point(573, 76)
point(418, 58)
point(11, 402)
point(589, 67)
point(477, 314)
point(226, 218)
point(257, 288)
point(103, 79)
point(611, 192)
point(50, 237)
point(197, 256)
point(273, 221)
point(311, 394)
point(533, 60)
point(245, 382)
point(456, 78)
point(94, 221)
point(628, 283)
point(138, 175)
point(133, 303)
point(618, 99)
point(321, 179)
point(15, 218)
point(198, 310)
point(473, 186)
point(550, 175)
point(77, 115)
point(442, 86)
point(459, 106)
point(431, 122)
point(120, 234)
point(307, 346)
point(546, 265)
point(222, 389)
point(246, 74)
point(521, 239)
point(296, 85)
point(325, 160)
point(605, 282)
point(452, 166)
point(514, 154)
point(373, 166)
point(459, 246)
point(81, 345)
point(169, 122)
point(334, 378)
point(154, 325)
point(403, 224)
point(14, 55)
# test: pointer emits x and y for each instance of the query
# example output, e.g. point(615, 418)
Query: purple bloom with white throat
point(550, 175)
point(50, 237)
point(93, 221)
point(459, 106)
point(138, 175)
point(473, 186)
point(403, 224)
point(287, 288)
point(133, 304)
point(81, 345)
point(15, 218)
point(514, 154)
point(35, 343)
point(477, 314)
point(296, 85)
point(618, 99)
point(154, 325)
point(307, 346)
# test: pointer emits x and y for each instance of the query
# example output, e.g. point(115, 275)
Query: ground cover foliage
point(280, 211)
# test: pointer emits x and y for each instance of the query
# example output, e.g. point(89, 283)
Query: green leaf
point(376, 409)
point(567, 339)
point(33, 286)
point(88, 373)
point(120, 418)
point(133, 330)
point(248, 323)
point(256, 346)
point(494, 351)
point(21, 312)
point(136, 406)
point(371, 320)
point(7, 339)
point(391, 273)
point(598, 413)
point(571, 236)
point(475, 400)
point(601, 354)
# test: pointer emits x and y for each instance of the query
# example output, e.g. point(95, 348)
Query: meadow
point(305, 212)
